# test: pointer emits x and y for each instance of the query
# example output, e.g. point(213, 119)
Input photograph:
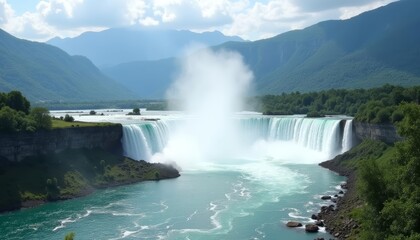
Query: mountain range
point(46, 73)
point(374, 48)
point(120, 45)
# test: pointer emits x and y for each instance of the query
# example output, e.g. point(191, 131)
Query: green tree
point(392, 191)
point(68, 118)
point(17, 101)
point(8, 122)
point(136, 111)
point(41, 117)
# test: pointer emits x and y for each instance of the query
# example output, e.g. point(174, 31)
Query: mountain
point(44, 73)
point(148, 79)
point(119, 45)
point(377, 47)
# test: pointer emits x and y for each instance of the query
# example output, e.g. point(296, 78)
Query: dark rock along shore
point(337, 220)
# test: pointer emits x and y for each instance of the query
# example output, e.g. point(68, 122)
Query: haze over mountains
point(374, 48)
point(120, 45)
point(44, 73)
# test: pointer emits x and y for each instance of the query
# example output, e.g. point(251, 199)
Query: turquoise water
point(240, 200)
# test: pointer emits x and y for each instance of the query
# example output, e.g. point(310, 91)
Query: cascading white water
point(141, 141)
point(348, 136)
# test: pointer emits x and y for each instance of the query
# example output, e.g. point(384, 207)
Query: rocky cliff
point(15, 147)
point(382, 132)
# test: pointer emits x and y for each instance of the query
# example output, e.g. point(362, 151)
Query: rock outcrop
point(382, 132)
point(15, 147)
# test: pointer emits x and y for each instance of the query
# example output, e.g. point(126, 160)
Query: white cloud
point(250, 19)
point(348, 12)
point(264, 20)
point(6, 12)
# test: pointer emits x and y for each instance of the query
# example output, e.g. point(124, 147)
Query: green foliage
point(17, 101)
point(68, 174)
point(8, 121)
point(157, 175)
point(68, 118)
point(376, 105)
point(53, 191)
point(60, 123)
point(45, 73)
point(136, 111)
point(14, 117)
point(391, 187)
point(41, 117)
point(69, 236)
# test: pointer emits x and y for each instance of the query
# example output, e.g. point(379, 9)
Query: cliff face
point(383, 132)
point(17, 146)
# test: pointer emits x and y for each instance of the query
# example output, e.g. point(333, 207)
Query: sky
point(40, 20)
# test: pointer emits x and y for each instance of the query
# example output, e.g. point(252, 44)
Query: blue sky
point(21, 6)
point(250, 19)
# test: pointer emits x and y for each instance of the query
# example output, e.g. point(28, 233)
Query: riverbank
point(70, 174)
point(341, 222)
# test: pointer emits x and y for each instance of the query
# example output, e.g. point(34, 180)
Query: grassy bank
point(70, 174)
point(57, 123)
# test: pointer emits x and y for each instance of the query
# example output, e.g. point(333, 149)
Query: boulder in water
point(326, 197)
point(292, 224)
point(311, 228)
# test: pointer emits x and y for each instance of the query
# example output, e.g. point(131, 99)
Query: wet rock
point(314, 217)
point(319, 223)
point(326, 197)
point(340, 192)
point(292, 224)
point(337, 234)
point(344, 186)
point(311, 228)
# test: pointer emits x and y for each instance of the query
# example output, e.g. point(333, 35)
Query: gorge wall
point(17, 146)
point(382, 132)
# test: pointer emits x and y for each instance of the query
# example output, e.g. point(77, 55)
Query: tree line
point(376, 105)
point(17, 115)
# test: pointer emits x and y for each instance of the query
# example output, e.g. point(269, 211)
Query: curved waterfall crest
point(327, 135)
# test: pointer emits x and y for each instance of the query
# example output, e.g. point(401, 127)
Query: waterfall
point(348, 136)
point(142, 140)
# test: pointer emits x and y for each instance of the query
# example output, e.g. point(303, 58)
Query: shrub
point(53, 191)
point(68, 118)
point(41, 118)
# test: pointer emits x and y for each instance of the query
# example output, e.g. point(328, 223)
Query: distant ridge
point(120, 45)
point(377, 47)
point(46, 73)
